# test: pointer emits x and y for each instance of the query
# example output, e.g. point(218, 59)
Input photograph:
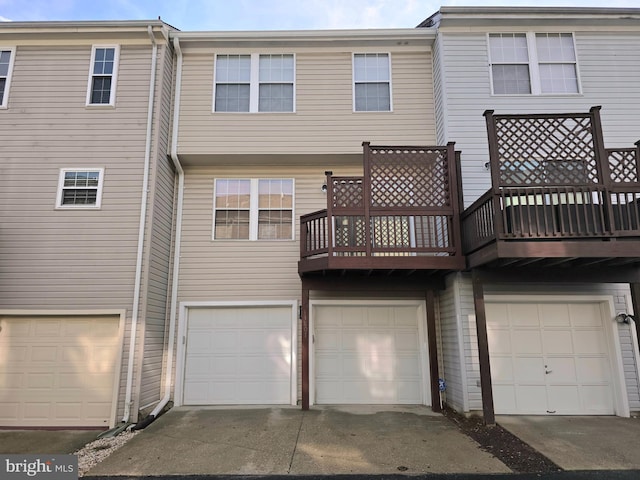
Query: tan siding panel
point(159, 242)
point(63, 259)
point(243, 270)
point(324, 121)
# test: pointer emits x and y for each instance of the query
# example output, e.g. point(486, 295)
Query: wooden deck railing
point(551, 213)
point(391, 211)
point(580, 190)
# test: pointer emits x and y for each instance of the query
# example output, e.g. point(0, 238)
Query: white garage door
point(238, 355)
point(368, 354)
point(549, 358)
point(58, 371)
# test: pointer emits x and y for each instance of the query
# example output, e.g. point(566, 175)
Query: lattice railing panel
point(347, 192)
point(623, 164)
point(409, 177)
point(549, 150)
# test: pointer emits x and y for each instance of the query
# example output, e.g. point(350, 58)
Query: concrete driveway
point(45, 441)
point(580, 443)
point(261, 441)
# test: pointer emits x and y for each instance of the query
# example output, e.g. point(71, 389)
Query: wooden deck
point(558, 197)
point(403, 214)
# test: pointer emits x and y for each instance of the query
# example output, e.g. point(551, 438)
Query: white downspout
point(141, 229)
point(176, 255)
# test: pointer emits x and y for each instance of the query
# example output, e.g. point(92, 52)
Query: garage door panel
point(238, 355)
point(504, 397)
point(586, 315)
point(590, 342)
point(407, 342)
point(562, 370)
point(374, 363)
point(380, 317)
point(597, 399)
point(55, 366)
point(327, 365)
point(556, 365)
point(526, 341)
point(524, 315)
point(558, 341)
point(529, 369)
point(555, 315)
point(501, 369)
point(353, 317)
point(500, 341)
point(497, 315)
point(592, 369)
point(531, 398)
point(564, 399)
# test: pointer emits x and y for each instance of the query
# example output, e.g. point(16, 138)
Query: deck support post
point(436, 405)
point(305, 345)
point(483, 350)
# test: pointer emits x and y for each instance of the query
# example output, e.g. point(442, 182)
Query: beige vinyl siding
point(609, 66)
point(159, 239)
point(241, 269)
point(324, 121)
point(71, 259)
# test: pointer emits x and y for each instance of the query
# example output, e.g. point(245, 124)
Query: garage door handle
point(548, 371)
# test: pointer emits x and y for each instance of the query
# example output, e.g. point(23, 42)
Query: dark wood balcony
point(403, 215)
point(558, 196)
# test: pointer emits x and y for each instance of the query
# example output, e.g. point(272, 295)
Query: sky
point(194, 15)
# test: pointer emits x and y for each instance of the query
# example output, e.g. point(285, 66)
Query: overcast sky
point(262, 14)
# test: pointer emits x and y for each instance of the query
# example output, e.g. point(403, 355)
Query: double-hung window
point(372, 82)
point(533, 63)
point(254, 83)
point(253, 209)
point(6, 67)
point(80, 188)
point(103, 75)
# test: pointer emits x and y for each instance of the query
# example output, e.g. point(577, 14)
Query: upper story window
point(372, 82)
point(80, 188)
point(253, 209)
point(6, 67)
point(103, 75)
point(254, 83)
point(533, 63)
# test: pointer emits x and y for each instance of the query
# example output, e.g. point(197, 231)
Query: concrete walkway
point(580, 443)
point(262, 441)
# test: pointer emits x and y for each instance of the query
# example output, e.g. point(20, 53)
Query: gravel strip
point(95, 452)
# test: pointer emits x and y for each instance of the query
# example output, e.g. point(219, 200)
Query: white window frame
point(254, 84)
point(254, 210)
point(4, 101)
point(534, 64)
point(353, 81)
point(61, 188)
point(114, 76)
